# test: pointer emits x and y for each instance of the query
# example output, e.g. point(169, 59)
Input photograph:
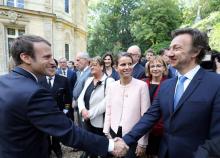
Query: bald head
point(135, 52)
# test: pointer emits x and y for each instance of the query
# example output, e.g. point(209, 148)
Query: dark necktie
point(64, 72)
point(50, 82)
point(179, 90)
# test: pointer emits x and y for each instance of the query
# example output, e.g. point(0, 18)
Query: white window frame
point(12, 36)
point(16, 3)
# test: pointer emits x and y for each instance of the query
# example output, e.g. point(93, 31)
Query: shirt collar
point(52, 78)
point(191, 73)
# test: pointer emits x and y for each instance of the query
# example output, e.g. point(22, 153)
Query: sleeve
point(81, 103)
point(43, 113)
point(145, 104)
point(107, 122)
point(101, 106)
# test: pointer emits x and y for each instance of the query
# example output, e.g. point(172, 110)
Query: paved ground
point(68, 153)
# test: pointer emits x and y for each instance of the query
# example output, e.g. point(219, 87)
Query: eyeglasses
point(154, 66)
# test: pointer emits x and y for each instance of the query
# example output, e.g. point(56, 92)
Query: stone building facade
point(62, 22)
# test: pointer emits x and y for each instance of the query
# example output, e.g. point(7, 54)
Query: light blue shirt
point(189, 76)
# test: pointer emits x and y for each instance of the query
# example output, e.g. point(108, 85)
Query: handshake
point(120, 147)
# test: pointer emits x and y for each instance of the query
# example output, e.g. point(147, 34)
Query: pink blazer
point(125, 105)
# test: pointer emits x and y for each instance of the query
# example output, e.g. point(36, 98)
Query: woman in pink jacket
point(127, 100)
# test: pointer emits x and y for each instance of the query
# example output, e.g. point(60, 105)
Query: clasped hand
point(120, 147)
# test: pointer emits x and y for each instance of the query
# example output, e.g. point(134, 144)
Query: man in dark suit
point(138, 70)
point(211, 149)
point(59, 87)
point(67, 72)
point(29, 113)
point(189, 104)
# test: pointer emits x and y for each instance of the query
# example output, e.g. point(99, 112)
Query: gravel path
point(68, 153)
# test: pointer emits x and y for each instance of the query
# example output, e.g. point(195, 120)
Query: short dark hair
point(162, 51)
point(25, 44)
point(199, 40)
point(110, 55)
point(123, 54)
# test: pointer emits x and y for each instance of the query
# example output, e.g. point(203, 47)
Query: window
point(15, 3)
point(67, 51)
point(66, 5)
point(13, 33)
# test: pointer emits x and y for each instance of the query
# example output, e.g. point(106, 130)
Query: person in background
point(172, 72)
point(67, 72)
point(84, 71)
point(71, 66)
point(59, 87)
point(108, 68)
point(157, 70)
point(126, 101)
point(91, 102)
point(149, 54)
point(138, 69)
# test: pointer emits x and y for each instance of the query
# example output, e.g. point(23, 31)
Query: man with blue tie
point(29, 113)
point(189, 103)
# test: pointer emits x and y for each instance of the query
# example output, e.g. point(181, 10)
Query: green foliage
point(122, 23)
point(211, 25)
point(153, 22)
point(161, 45)
point(111, 31)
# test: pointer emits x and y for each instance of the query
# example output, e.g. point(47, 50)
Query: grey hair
point(84, 55)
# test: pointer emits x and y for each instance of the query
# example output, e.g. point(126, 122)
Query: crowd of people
point(164, 104)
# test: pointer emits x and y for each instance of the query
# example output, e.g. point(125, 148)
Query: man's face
point(181, 55)
point(43, 63)
point(135, 54)
point(165, 57)
point(81, 63)
point(149, 56)
point(63, 63)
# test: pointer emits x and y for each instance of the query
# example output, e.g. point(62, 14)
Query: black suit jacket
point(60, 90)
point(28, 114)
point(138, 71)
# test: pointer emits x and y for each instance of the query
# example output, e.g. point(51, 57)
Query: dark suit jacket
point(60, 92)
point(71, 75)
point(195, 119)
point(138, 71)
point(28, 114)
point(211, 149)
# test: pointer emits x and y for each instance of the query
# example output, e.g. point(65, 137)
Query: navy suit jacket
point(71, 75)
point(195, 119)
point(28, 114)
point(138, 71)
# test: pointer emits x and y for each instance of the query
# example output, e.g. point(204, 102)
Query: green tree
point(111, 31)
point(153, 22)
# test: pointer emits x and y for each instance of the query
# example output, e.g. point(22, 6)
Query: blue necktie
point(179, 90)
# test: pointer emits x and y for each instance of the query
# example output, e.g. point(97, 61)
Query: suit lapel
point(191, 88)
point(170, 95)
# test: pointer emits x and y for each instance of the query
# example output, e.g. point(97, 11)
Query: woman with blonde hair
point(157, 70)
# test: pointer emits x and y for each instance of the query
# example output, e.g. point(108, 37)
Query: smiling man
point(189, 104)
point(29, 113)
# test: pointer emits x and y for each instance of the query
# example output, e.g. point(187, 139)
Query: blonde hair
point(160, 60)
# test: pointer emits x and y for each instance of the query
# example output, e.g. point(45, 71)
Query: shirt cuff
point(111, 145)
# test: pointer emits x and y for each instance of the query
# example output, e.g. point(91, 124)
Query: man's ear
point(26, 58)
